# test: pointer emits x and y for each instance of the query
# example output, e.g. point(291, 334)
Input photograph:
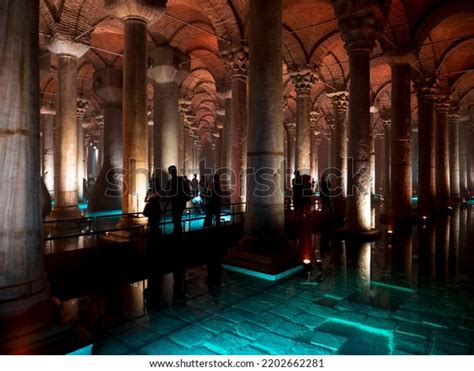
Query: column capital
point(394, 58)
point(64, 45)
point(303, 79)
point(427, 87)
point(48, 109)
point(285, 103)
point(443, 104)
point(358, 23)
point(313, 117)
point(291, 128)
point(340, 100)
point(147, 11)
point(386, 116)
point(453, 115)
point(237, 60)
point(166, 65)
point(108, 84)
point(331, 122)
point(99, 119)
point(184, 106)
point(82, 106)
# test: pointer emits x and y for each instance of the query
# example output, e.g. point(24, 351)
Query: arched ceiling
point(439, 32)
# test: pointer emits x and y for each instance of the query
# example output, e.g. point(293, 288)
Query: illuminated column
point(356, 21)
point(151, 161)
point(238, 63)
point(184, 106)
point(454, 174)
point(442, 153)
point(107, 192)
point(373, 171)
point(22, 277)
point(226, 97)
point(65, 172)
point(340, 101)
point(303, 80)
point(82, 106)
point(264, 245)
point(188, 145)
point(426, 93)
point(387, 123)
point(136, 15)
point(48, 117)
point(291, 132)
point(462, 127)
point(315, 142)
point(400, 144)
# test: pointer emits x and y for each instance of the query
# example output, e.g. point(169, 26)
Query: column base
point(270, 256)
point(130, 230)
point(71, 212)
point(345, 233)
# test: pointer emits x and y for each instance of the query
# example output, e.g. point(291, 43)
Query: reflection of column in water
point(372, 217)
point(442, 244)
point(167, 288)
point(426, 251)
point(70, 310)
point(363, 270)
point(454, 242)
point(463, 257)
point(132, 299)
point(65, 244)
point(403, 250)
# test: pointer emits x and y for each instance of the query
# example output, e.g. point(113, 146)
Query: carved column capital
point(237, 60)
point(427, 87)
point(291, 128)
point(453, 115)
point(184, 106)
point(340, 100)
point(303, 80)
point(82, 106)
point(443, 104)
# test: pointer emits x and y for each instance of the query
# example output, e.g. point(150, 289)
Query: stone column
point(22, 277)
point(373, 170)
point(184, 106)
point(340, 101)
point(315, 142)
point(400, 143)
point(82, 106)
point(227, 140)
point(48, 117)
point(150, 123)
point(463, 158)
point(107, 192)
point(426, 93)
point(136, 15)
point(166, 130)
point(387, 123)
point(303, 80)
point(454, 174)
point(264, 246)
point(238, 63)
point(65, 172)
point(357, 24)
point(291, 132)
point(442, 153)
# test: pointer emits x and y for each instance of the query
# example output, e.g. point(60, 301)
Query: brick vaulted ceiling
point(439, 32)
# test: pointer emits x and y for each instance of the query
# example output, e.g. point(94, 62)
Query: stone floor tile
point(285, 311)
point(327, 340)
point(162, 347)
point(274, 344)
point(248, 330)
point(235, 315)
point(225, 343)
point(191, 336)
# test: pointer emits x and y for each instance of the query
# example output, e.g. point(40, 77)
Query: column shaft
point(358, 200)
point(48, 151)
point(22, 279)
point(442, 155)
point(291, 130)
point(65, 172)
point(135, 150)
point(454, 174)
point(400, 164)
point(462, 159)
point(303, 137)
point(340, 151)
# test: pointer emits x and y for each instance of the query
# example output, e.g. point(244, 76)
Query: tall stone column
point(107, 192)
point(387, 124)
point(463, 158)
point(303, 80)
point(184, 106)
point(264, 246)
point(373, 136)
point(426, 93)
point(227, 139)
point(166, 135)
point(291, 132)
point(356, 21)
point(22, 277)
point(65, 172)
point(400, 143)
point(238, 63)
point(82, 106)
point(340, 101)
point(48, 118)
point(442, 153)
point(136, 15)
point(454, 174)
point(315, 142)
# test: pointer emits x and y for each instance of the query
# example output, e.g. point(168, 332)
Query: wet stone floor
point(408, 294)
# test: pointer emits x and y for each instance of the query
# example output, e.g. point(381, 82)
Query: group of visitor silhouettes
point(178, 192)
point(304, 192)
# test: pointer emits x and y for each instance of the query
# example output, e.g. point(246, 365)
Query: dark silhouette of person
point(195, 186)
point(178, 193)
point(85, 190)
point(325, 194)
point(306, 195)
point(152, 211)
point(214, 202)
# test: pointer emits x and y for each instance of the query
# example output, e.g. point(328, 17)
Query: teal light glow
point(330, 296)
point(264, 276)
point(433, 324)
point(415, 197)
point(94, 214)
point(82, 205)
point(85, 351)
point(392, 287)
